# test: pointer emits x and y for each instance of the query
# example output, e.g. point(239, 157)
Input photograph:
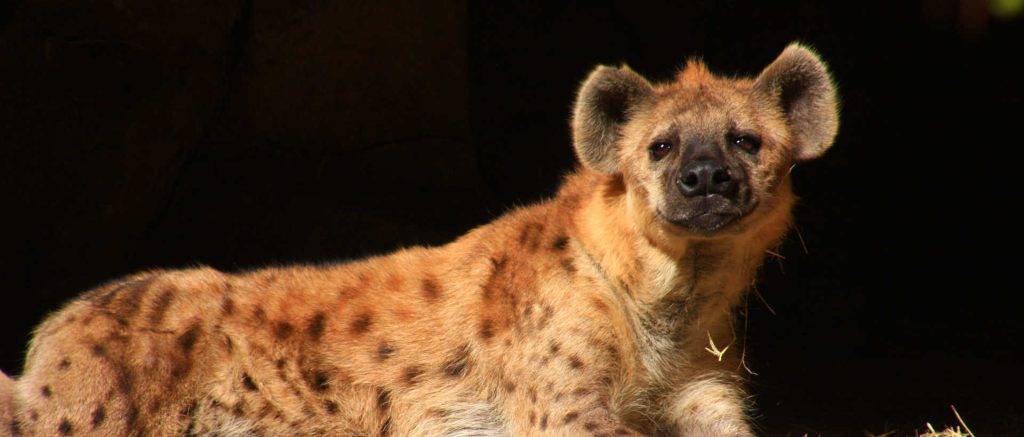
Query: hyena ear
point(604, 103)
point(799, 82)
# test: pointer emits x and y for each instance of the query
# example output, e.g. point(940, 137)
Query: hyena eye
point(660, 149)
point(749, 143)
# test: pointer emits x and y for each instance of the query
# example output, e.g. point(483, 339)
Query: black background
point(258, 132)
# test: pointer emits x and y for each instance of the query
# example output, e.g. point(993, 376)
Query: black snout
point(706, 177)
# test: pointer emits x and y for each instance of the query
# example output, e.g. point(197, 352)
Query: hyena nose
point(706, 177)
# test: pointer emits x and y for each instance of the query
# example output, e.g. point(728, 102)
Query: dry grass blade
point(746, 325)
point(765, 302)
point(714, 349)
point(956, 431)
point(961, 420)
point(800, 237)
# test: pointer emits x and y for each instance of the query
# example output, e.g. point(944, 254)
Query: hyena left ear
point(799, 82)
point(603, 105)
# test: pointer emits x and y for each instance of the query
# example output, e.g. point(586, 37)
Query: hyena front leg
point(562, 381)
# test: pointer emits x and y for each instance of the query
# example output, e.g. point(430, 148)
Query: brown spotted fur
point(581, 315)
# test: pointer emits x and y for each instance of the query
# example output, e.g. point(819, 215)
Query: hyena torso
point(512, 329)
point(590, 313)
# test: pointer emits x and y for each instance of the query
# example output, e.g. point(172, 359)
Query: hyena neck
point(677, 287)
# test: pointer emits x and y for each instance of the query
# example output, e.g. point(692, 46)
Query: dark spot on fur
point(590, 426)
point(98, 350)
point(247, 382)
point(187, 340)
point(238, 410)
point(180, 369)
point(64, 364)
point(132, 297)
point(331, 407)
point(45, 391)
point(189, 411)
point(613, 352)
point(542, 322)
point(621, 431)
point(580, 392)
point(385, 428)
point(282, 330)
point(347, 292)
point(362, 323)
point(533, 418)
point(533, 395)
point(411, 373)
point(529, 236)
point(510, 387)
point(15, 427)
point(132, 416)
point(599, 304)
point(33, 415)
point(280, 363)
point(160, 305)
point(575, 362)
point(431, 289)
point(569, 418)
point(259, 314)
point(553, 348)
point(316, 326)
point(320, 382)
point(560, 242)
point(568, 266)
point(227, 306)
point(456, 366)
point(384, 351)
point(544, 421)
point(486, 329)
point(498, 263)
point(65, 427)
point(124, 379)
point(383, 399)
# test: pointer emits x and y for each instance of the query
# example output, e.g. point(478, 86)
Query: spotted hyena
point(587, 314)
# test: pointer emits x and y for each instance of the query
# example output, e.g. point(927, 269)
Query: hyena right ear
point(603, 105)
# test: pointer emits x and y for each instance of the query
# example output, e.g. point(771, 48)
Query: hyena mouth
point(706, 222)
point(709, 214)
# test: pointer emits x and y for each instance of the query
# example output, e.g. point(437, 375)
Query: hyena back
point(587, 314)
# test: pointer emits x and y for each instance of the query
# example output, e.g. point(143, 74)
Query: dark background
point(253, 132)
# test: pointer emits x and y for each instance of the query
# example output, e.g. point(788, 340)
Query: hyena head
point(706, 156)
